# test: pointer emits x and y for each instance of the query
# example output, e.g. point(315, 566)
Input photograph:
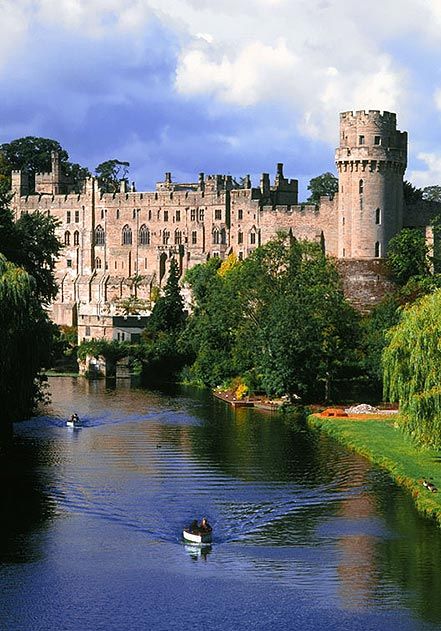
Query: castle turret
point(371, 162)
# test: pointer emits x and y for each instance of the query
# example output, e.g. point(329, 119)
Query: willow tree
point(412, 369)
point(25, 334)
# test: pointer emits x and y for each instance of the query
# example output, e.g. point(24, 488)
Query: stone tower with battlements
point(371, 161)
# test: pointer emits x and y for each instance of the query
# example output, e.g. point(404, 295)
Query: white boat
point(197, 537)
point(71, 423)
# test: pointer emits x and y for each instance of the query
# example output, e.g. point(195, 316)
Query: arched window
point(378, 216)
point(377, 249)
point(100, 236)
point(361, 187)
point(144, 235)
point(178, 237)
point(76, 238)
point(215, 237)
point(127, 235)
point(165, 237)
point(252, 238)
point(67, 238)
point(223, 236)
point(98, 263)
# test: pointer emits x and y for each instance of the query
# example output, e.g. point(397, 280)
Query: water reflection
point(25, 504)
point(290, 509)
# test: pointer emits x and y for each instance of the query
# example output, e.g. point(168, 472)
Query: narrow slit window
point(378, 217)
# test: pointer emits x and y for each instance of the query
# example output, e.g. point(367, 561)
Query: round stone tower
point(371, 162)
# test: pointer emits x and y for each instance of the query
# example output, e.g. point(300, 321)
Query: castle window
point(377, 140)
point(87, 332)
point(361, 140)
point(150, 215)
point(378, 216)
point(165, 215)
point(116, 265)
point(98, 263)
point(67, 238)
point(240, 237)
point(377, 249)
point(343, 220)
point(145, 263)
point(77, 216)
point(127, 235)
point(240, 256)
point(144, 235)
point(194, 237)
point(201, 214)
point(69, 262)
point(361, 187)
point(76, 238)
point(193, 214)
point(134, 213)
point(100, 236)
point(68, 214)
point(216, 237)
point(240, 214)
point(178, 215)
point(215, 255)
point(223, 236)
point(102, 213)
point(165, 237)
point(218, 214)
point(117, 213)
point(178, 237)
point(252, 238)
point(361, 203)
point(344, 253)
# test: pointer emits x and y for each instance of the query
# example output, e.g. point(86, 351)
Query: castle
point(119, 245)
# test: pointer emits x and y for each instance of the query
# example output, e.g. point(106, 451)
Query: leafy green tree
point(168, 313)
point(32, 155)
point(408, 255)
point(110, 173)
point(412, 365)
point(432, 193)
point(324, 184)
point(411, 194)
point(26, 335)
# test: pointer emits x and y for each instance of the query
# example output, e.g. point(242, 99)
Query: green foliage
point(33, 155)
point(408, 255)
point(324, 184)
point(432, 194)
point(168, 313)
point(110, 173)
point(279, 315)
point(26, 335)
point(112, 350)
point(412, 365)
point(162, 358)
point(411, 194)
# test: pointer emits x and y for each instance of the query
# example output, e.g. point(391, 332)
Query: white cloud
point(432, 174)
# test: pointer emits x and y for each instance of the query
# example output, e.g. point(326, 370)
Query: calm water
point(307, 535)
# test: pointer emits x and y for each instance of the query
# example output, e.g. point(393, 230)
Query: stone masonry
point(118, 245)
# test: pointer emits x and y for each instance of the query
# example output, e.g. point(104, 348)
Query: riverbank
point(382, 442)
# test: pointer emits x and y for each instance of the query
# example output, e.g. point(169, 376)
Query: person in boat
point(75, 419)
point(194, 527)
point(204, 526)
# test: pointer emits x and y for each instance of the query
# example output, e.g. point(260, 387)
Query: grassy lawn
point(387, 446)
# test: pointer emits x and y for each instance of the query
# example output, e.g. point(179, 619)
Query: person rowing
point(204, 526)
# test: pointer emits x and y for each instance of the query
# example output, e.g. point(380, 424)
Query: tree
point(432, 194)
point(110, 173)
point(168, 313)
point(32, 155)
point(412, 365)
point(408, 255)
point(412, 194)
point(325, 184)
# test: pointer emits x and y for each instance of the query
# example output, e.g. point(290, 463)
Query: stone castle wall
point(117, 245)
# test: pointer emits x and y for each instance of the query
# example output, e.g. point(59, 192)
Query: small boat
point(74, 421)
point(197, 537)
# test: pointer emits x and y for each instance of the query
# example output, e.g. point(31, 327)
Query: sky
point(220, 87)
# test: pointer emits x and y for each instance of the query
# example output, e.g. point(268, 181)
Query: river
point(306, 534)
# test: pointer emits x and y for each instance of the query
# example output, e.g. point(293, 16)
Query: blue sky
point(220, 87)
